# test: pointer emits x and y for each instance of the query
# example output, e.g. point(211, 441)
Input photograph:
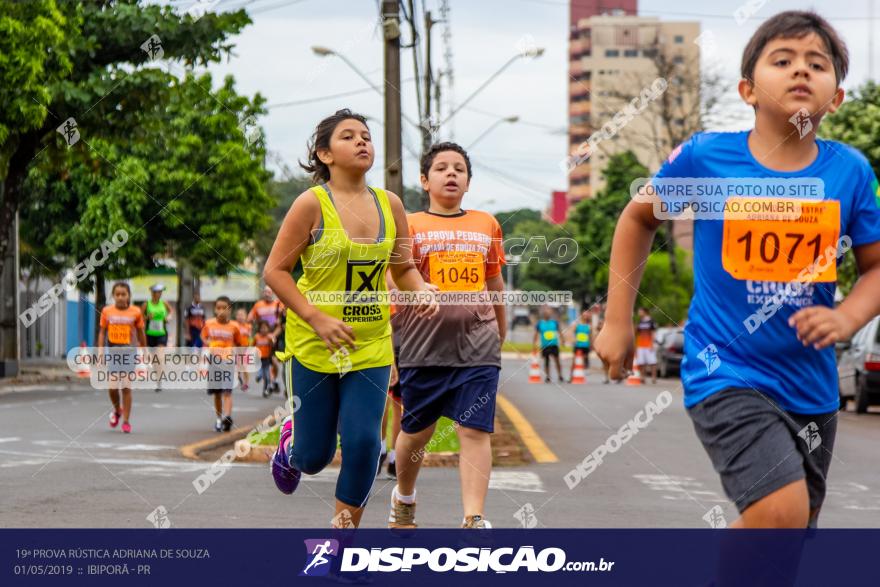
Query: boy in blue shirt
point(547, 333)
point(759, 371)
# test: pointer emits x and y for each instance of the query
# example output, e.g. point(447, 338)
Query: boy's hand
point(614, 345)
point(428, 304)
point(394, 376)
point(821, 326)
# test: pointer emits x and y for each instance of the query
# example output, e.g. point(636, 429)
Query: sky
point(517, 164)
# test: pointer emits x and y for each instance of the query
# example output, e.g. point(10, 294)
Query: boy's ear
point(747, 92)
point(836, 101)
point(424, 181)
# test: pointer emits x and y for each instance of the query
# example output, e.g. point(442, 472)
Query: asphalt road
point(62, 466)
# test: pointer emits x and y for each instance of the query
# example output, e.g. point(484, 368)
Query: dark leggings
point(353, 403)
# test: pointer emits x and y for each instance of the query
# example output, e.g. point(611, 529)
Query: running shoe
point(218, 425)
point(392, 470)
point(114, 418)
point(402, 515)
point(227, 423)
point(285, 476)
point(126, 427)
point(477, 522)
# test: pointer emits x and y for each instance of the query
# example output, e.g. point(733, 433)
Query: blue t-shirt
point(719, 350)
point(548, 330)
point(582, 336)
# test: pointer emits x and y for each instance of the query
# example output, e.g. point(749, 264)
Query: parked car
point(521, 316)
point(858, 367)
point(670, 350)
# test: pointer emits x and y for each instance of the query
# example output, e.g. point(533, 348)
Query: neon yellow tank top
point(342, 270)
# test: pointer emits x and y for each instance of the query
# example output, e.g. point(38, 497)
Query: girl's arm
point(403, 270)
point(292, 240)
point(142, 336)
point(168, 309)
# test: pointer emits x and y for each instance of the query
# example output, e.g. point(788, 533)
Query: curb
point(191, 451)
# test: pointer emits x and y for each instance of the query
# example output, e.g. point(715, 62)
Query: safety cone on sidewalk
point(578, 376)
point(534, 370)
point(635, 378)
point(84, 369)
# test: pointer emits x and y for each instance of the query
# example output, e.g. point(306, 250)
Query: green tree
point(193, 188)
point(857, 123)
point(85, 63)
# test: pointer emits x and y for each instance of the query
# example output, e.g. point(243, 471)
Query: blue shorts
point(463, 394)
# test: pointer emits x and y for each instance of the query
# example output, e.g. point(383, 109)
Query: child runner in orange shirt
point(449, 365)
point(222, 333)
point(122, 329)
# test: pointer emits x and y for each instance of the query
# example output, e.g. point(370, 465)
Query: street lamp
point(534, 54)
point(493, 126)
point(327, 52)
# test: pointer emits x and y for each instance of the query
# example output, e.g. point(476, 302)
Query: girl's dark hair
point(121, 284)
point(321, 140)
point(796, 24)
point(428, 157)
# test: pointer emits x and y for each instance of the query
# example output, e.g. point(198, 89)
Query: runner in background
point(579, 333)
point(547, 337)
point(265, 343)
point(122, 329)
point(195, 321)
point(269, 309)
point(246, 329)
point(157, 312)
point(645, 354)
point(220, 334)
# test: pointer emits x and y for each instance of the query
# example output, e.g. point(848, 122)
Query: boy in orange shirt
point(222, 333)
point(246, 329)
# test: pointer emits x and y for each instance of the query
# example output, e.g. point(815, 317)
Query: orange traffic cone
point(635, 378)
point(85, 369)
point(534, 370)
point(578, 375)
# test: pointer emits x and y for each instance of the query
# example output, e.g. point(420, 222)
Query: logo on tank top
point(362, 286)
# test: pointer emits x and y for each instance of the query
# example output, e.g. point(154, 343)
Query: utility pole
point(393, 139)
point(427, 126)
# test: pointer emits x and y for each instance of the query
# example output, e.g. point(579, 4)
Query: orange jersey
point(458, 252)
point(121, 325)
point(264, 344)
point(267, 311)
point(245, 330)
point(217, 335)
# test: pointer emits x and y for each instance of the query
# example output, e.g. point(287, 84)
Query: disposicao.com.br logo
point(444, 559)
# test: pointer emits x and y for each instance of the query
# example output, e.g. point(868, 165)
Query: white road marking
point(680, 488)
point(10, 439)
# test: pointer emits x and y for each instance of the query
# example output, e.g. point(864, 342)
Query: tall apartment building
point(613, 57)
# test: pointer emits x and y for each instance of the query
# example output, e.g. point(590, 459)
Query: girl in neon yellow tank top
point(338, 352)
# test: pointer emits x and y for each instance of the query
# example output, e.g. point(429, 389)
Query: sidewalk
point(33, 372)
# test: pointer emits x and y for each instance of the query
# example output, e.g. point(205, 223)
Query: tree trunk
point(13, 184)
point(100, 299)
